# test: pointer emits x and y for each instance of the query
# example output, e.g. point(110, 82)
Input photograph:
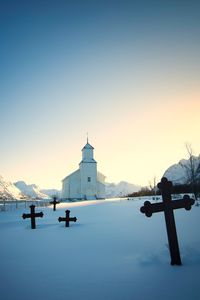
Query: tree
point(153, 185)
point(192, 170)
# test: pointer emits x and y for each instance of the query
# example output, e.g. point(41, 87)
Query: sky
point(126, 72)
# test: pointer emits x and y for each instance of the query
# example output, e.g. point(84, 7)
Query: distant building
point(84, 183)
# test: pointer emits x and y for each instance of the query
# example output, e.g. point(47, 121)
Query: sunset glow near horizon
point(126, 73)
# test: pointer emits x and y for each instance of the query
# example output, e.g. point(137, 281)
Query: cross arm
point(186, 203)
point(73, 219)
point(148, 209)
point(40, 214)
point(60, 219)
point(24, 216)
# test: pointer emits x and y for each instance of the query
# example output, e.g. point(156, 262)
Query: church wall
point(72, 186)
point(100, 190)
point(75, 186)
point(88, 180)
point(65, 188)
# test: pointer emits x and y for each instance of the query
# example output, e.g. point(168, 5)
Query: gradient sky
point(126, 72)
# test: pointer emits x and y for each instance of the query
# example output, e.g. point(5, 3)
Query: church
point(86, 182)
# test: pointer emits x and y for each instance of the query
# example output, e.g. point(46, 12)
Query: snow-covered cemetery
point(99, 150)
point(111, 252)
point(117, 248)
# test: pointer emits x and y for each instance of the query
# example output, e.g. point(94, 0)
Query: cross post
point(32, 216)
point(167, 206)
point(54, 202)
point(67, 219)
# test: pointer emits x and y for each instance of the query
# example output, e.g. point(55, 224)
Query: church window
point(89, 179)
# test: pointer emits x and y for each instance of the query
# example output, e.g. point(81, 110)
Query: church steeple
point(85, 183)
point(87, 153)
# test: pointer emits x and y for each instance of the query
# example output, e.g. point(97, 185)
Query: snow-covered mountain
point(8, 190)
point(122, 188)
point(51, 192)
point(21, 189)
point(178, 173)
point(112, 190)
point(30, 190)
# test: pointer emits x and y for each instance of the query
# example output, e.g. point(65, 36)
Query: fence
point(10, 205)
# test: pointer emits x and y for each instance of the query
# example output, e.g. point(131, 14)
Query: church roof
point(88, 160)
point(88, 146)
point(71, 174)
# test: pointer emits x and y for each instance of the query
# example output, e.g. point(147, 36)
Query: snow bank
point(113, 252)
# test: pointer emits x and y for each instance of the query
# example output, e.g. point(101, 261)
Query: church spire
point(87, 145)
point(87, 153)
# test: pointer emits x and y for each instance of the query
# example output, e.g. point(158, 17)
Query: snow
point(51, 192)
point(120, 189)
point(8, 190)
point(112, 252)
point(30, 190)
point(21, 189)
point(178, 173)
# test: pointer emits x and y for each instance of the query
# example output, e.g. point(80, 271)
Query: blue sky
point(127, 72)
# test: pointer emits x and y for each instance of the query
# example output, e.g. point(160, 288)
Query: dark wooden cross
point(168, 206)
point(32, 216)
point(54, 202)
point(67, 219)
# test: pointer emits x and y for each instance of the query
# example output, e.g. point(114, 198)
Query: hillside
point(30, 190)
point(178, 173)
point(8, 190)
point(120, 189)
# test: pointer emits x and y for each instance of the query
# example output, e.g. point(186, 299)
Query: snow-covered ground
point(113, 252)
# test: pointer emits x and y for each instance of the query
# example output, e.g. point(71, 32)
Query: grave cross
point(168, 206)
point(54, 202)
point(32, 216)
point(67, 219)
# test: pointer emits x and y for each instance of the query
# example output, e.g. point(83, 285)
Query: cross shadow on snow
point(152, 259)
point(71, 226)
point(190, 256)
point(146, 259)
point(44, 226)
point(53, 225)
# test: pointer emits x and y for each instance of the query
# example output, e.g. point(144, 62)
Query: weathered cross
point(54, 202)
point(168, 206)
point(67, 219)
point(32, 216)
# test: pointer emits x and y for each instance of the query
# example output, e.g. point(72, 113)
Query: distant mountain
point(20, 190)
point(9, 191)
point(112, 190)
point(120, 189)
point(30, 190)
point(178, 173)
point(51, 192)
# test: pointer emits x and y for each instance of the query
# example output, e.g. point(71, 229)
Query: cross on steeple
point(167, 206)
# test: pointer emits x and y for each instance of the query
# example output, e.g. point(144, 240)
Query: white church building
point(86, 182)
